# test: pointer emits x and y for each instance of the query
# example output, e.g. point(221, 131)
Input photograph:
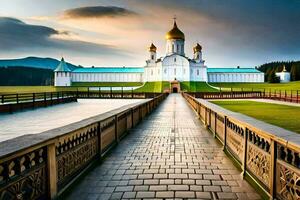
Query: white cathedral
point(175, 66)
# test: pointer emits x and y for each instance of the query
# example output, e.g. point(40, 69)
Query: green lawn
point(295, 85)
point(107, 84)
point(148, 87)
point(154, 87)
point(280, 115)
point(196, 87)
point(33, 89)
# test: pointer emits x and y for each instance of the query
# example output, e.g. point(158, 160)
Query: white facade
point(241, 77)
point(284, 76)
point(107, 77)
point(63, 79)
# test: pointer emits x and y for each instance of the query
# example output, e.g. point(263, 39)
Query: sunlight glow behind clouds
point(232, 32)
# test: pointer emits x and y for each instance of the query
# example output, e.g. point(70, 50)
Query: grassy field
point(161, 86)
point(196, 87)
point(33, 89)
point(259, 86)
point(154, 87)
point(279, 115)
point(107, 84)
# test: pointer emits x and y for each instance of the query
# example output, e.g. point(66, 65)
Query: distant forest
point(27, 76)
point(271, 68)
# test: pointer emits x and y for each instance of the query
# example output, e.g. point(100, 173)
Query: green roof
point(233, 70)
point(62, 67)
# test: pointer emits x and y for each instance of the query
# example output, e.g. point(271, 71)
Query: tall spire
point(175, 24)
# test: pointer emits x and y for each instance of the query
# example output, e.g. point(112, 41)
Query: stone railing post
point(99, 138)
point(116, 129)
point(273, 169)
point(225, 132)
point(52, 170)
point(245, 151)
point(215, 131)
point(205, 117)
point(132, 113)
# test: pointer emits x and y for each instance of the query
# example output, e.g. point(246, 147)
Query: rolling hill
point(33, 62)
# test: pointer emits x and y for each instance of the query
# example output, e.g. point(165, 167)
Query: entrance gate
point(175, 86)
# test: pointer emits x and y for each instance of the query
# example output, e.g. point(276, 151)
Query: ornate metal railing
point(42, 166)
point(268, 155)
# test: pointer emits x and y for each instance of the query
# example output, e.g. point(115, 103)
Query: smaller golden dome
point(152, 48)
point(197, 48)
point(175, 33)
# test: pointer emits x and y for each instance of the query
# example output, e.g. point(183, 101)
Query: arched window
point(151, 72)
point(152, 57)
point(175, 71)
point(177, 48)
point(165, 71)
point(175, 59)
point(172, 47)
point(197, 72)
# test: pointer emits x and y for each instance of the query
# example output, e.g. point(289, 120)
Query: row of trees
point(271, 68)
point(27, 76)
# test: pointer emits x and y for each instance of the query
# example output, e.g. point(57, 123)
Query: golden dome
point(197, 48)
point(175, 33)
point(152, 47)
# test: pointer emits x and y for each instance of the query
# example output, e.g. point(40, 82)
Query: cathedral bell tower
point(152, 51)
point(198, 53)
point(175, 41)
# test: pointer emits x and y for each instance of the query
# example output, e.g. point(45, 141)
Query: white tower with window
point(284, 76)
point(62, 74)
point(175, 41)
point(152, 51)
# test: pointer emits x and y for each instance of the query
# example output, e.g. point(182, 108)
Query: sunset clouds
point(117, 33)
point(17, 36)
point(97, 12)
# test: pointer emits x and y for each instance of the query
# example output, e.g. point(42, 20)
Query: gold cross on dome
point(174, 18)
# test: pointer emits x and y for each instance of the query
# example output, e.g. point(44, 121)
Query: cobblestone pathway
point(169, 155)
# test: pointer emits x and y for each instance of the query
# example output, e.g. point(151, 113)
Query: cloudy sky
point(117, 33)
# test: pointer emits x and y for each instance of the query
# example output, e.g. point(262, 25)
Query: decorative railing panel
point(74, 152)
point(272, 160)
point(212, 122)
point(259, 164)
point(122, 124)
point(25, 176)
point(108, 135)
point(136, 116)
point(288, 181)
point(235, 139)
point(202, 113)
point(220, 127)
